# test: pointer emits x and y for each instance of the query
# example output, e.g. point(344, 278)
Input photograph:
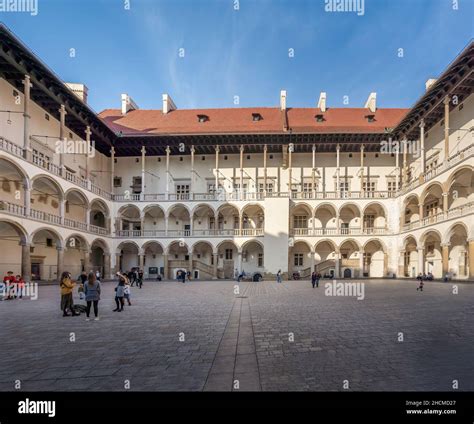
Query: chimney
point(322, 101)
point(371, 102)
point(80, 90)
point(168, 104)
point(429, 83)
point(283, 100)
point(128, 104)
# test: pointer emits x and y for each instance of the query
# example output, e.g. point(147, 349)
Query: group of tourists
point(12, 287)
point(182, 275)
point(135, 275)
point(90, 290)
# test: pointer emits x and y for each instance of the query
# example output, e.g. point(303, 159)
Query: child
point(127, 291)
point(420, 287)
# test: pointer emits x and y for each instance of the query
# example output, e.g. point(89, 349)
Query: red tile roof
point(239, 121)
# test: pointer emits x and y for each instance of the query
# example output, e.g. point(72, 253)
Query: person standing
point(127, 292)
point(92, 291)
point(140, 278)
point(318, 277)
point(130, 276)
point(20, 285)
point(279, 276)
point(97, 275)
point(8, 280)
point(120, 293)
point(67, 286)
point(313, 279)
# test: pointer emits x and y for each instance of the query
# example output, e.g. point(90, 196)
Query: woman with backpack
point(92, 293)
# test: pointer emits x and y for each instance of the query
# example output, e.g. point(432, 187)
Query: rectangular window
point(260, 260)
point(229, 254)
point(182, 191)
point(269, 187)
point(137, 185)
point(300, 221)
point(117, 181)
point(298, 259)
point(369, 221)
point(392, 185)
point(368, 186)
point(344, 186)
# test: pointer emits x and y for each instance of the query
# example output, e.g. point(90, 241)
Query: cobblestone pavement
point(269, 336)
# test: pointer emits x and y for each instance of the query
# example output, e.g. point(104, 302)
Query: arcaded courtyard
point(204, 336)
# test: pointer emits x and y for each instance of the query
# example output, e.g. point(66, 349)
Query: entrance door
point(187, 230)
point(347, 273)
point(35, 271)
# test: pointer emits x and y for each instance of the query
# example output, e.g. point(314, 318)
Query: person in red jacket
point(9, 280)
point(20, 286)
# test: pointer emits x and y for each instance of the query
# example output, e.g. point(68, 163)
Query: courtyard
point(205, 336)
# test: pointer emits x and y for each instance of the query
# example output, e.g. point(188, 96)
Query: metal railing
point(338, 232)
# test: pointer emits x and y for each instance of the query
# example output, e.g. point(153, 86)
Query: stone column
point(112, 170)
point(87, 261)
point(107, 268)
point(216, 183)
point(313, 170)
point(117, 262)
point(27, 200)
point(290, 169)
point(471, 259)
point(445, 204)
point(338, 265)
point(26, 117)
point(421, 260)
point(311, 261)
point(141, 260)
point(168, 151)
point(165, 266)
point(385, 264)
point(397, 166)
point(405, 170)
point(60, 262)
point(166, 224)
point(445, 257)
point(241, 195)
point(190, 266)
point(265, 170)
point(62, 135)
point(88, 217)
point(25, 261)
point(422, 150)
point(62, 210)
point(420, 212)
point(191, 188)
point(239, 261)
point(361, 263)
point(338, 189)
point(142, 194)
point(446, 128)
point(88, 151)
point(362, 168)
point(215, 258)
point(401, 264)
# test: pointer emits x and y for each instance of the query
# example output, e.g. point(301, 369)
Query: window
point(182, 191)
point(432, 208)
point(300, 221)
point(212, 222)
point(370, 118)
point(344, 186)
point(211, 188)
point(256, 117)
point(49, 242)
point(298, 259)
point(66, 206)
point(137, 185)
point(392, 185)
point(369, 221)
point(117, 181)
point(368, 186)
point(229, 254)
point(236, 222)
point(237, 187)
point(203, 118)
point(269, 187)
point(319, 118)
point(307, 187)
point(260, 260)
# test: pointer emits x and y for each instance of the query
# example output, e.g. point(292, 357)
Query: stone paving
point(269, 337)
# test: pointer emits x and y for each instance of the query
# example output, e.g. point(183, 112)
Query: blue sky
point(245, 52)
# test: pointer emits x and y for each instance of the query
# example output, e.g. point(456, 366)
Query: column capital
point(446, 100)
point(112, 150)
point(338, 147)
point(88, 130)
point(313, 149)
point(422, 123)
point(143, 150)
point(362, 147)
point(62, 110)
point(265, 148)
point(192, 149)
point(217, 148)
point(167, 150)
point(241, 148)
point(445, 244)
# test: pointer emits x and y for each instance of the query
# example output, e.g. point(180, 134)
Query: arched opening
point(46, 255)
point(458, 252)
point(203, 261)
point(46, 198)
point(375, 221)
point(154, 264)
point(128, 256)
point(98, 254)
point(461, 188)
point(228, 256)
point(154, 221)
point(99, 215)
point(252, 257)
point(349, 219)
point(411, 210)
point(325, 258)
point(75, 208)
point(129, 221)
point(325, 220)
point(253, 220)
point(13, 239)
point(375, 260)
point(300, 259)
point(76, 255)
point(432, 202)
point(350, 253)
point(203, 221)
point(178, 258)
point(301, 219)
point(13, 182)
point(411, 267)
point(433, 262)
point(228, 220)
point(179, 221)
